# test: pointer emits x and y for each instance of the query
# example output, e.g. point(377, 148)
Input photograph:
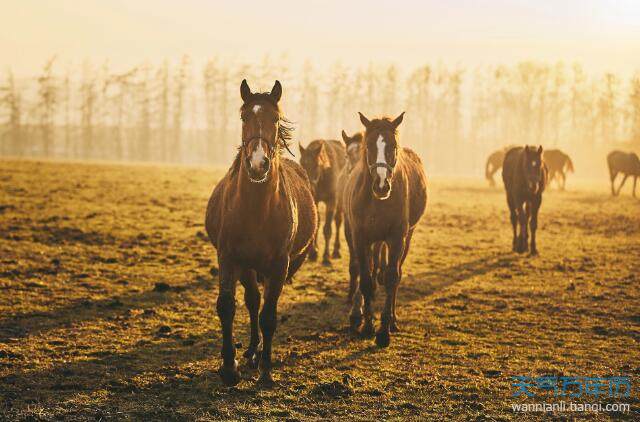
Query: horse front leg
point(624, 179)
point(367, 286)
point(252, 302)
point(535, 207)
point(523, 218)
point(326, 230)
point(514, 222)
point(635, 179)
point(336, 245)
point(226, 308)
point(391, 283)
point(269, 319)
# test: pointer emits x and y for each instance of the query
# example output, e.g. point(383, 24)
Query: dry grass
point(85, 333)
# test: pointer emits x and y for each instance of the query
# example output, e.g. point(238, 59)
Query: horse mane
point(285, 129)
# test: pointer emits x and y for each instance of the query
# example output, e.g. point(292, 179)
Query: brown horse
point(558, 163)
point(353, 145)
point(625, 163)
point(525, 177)
point(323, 161)
point(384, 198)
point(494, 163)
point(261, 219)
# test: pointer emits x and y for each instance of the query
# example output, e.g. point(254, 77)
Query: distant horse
point(525, 177)
point(323, 161)
point(625, 163)
point(384, 198)
point(261, 218)
point(558, 163)
point(494, 163)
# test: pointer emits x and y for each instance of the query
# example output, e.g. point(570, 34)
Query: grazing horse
point(625, 163)
point(261, 219)
point(559, 163)
point(494, 163)
point(525, 176)
point(323, 161)
point(384, 198)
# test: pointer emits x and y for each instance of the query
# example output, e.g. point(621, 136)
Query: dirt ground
point(107, 305)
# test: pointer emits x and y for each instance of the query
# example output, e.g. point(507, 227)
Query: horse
point(558, 163)
point(494, 163)
point(261, 219)
point(524, 175)
point(323, 161)
point(384, 198)
point(625, 163)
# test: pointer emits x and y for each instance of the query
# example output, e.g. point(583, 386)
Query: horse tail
point(569, 164)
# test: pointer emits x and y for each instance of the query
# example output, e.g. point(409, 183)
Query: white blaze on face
point(256, 109)
point(382, 171)
point(257, 156)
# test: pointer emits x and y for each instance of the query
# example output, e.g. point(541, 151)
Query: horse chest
point(255, 241)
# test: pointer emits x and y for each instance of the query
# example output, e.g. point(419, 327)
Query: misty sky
point(603, 35)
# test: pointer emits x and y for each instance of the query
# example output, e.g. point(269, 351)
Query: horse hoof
point(383, 339)
point(336, 255)
point(354, 322)
point(229, 376)
point(534, 252)
point(251, 359)
point(313, 256)
point(367, 329)
point(326, 261)
point(265, 380)
point(394, 327)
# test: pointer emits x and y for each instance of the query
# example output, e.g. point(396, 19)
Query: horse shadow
point(82, 310)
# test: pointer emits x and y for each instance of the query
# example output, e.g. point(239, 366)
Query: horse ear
point(396, 122)
point(540, 149)
point(366, 122)
point(276, 92)
point(319, 151)
point(245, 91)
point(301, 147)
point(345, 138)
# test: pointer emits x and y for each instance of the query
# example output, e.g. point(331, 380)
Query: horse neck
point(258, 195)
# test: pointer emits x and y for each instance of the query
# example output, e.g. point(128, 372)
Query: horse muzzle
point(381, 186)
point(258, 171)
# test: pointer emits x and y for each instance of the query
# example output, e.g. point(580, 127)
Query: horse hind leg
point(624, 179)
point(326, 230)
point(249, 281)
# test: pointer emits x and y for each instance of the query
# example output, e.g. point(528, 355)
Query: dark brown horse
point(558, 163)
point(625, 163)
point(261, 219)
point(384, 198)
point(525, 177)
point(323, 161)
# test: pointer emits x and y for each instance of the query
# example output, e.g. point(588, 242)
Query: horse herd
point(262, 217)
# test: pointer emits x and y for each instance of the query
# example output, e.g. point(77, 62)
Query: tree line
point(179, 112)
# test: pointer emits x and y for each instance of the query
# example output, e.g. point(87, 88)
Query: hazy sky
point(604, 35)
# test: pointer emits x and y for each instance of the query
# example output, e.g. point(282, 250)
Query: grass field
point(107, 305)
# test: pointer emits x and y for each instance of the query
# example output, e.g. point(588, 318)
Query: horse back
point(623, 162)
